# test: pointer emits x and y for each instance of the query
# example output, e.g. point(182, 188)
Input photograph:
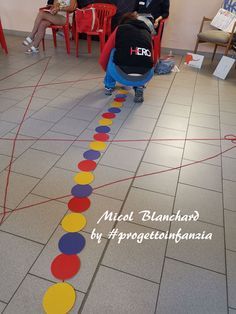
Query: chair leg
point(214, 52)
point(67, 39)
point(73, 29)
point(2, 39)
point(156, 54)
point(77, 44)
point(3, 44)
point(89, 43)
point(54, 34)
point(102, 41)
point(226, 50)
point(43, 42)
point(196, 46)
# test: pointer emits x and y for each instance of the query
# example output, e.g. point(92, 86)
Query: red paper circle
point(79, 205)
point(87, 165)
point(65, 266)
point(102, 137)
point(119, 99)
point(109, 115)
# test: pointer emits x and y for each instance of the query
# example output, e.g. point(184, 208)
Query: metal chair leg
point(214, 52)
point(196, 46)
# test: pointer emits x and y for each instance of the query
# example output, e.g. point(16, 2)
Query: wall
point(180, 31)
point(184, 22)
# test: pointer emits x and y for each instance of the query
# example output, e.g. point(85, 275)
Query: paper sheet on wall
point(224, 67)
point(224, 20)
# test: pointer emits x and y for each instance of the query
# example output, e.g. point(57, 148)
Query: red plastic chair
point(157, 41)
point(104, 12)
point(2, 39)
point(66, 30)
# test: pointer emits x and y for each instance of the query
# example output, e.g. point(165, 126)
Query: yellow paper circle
point(59, 298)
point(105, 121)
point(122, 91)
point(116, 104)
point(97, 145)
point(84, 178)
point(73, 222)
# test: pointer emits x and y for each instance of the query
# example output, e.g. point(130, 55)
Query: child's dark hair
point(129, 16)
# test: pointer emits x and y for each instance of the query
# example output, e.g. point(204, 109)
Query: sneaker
point(138, 97)
point(27, 41)
point(32, 50)
point(108, 91)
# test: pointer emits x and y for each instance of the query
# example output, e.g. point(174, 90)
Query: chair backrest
point(104, 11)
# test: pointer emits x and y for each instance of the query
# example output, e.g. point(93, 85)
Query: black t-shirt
point(133, 47)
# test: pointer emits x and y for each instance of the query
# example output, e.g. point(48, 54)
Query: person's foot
point(32, 50)
point(108, 91)
point(27, 41)
point(138, 97)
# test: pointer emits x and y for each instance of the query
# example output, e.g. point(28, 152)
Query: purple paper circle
point(103, 129)
point(91, 154)
point(71, 243)
point(121, 96)
point(81, 191)
point(114, 110)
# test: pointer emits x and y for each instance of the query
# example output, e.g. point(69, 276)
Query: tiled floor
point(157, 276)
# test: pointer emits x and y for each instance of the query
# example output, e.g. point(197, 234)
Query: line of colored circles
point(60, 297)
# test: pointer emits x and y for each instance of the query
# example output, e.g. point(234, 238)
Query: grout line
point(230, 250)
point(51, 281)
point(194, 265)
point(229, 180)
point(127, 273)
point(222, 201)
point(230, 210)
point(229, 157)
point(21, 237)
point(45, 151)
